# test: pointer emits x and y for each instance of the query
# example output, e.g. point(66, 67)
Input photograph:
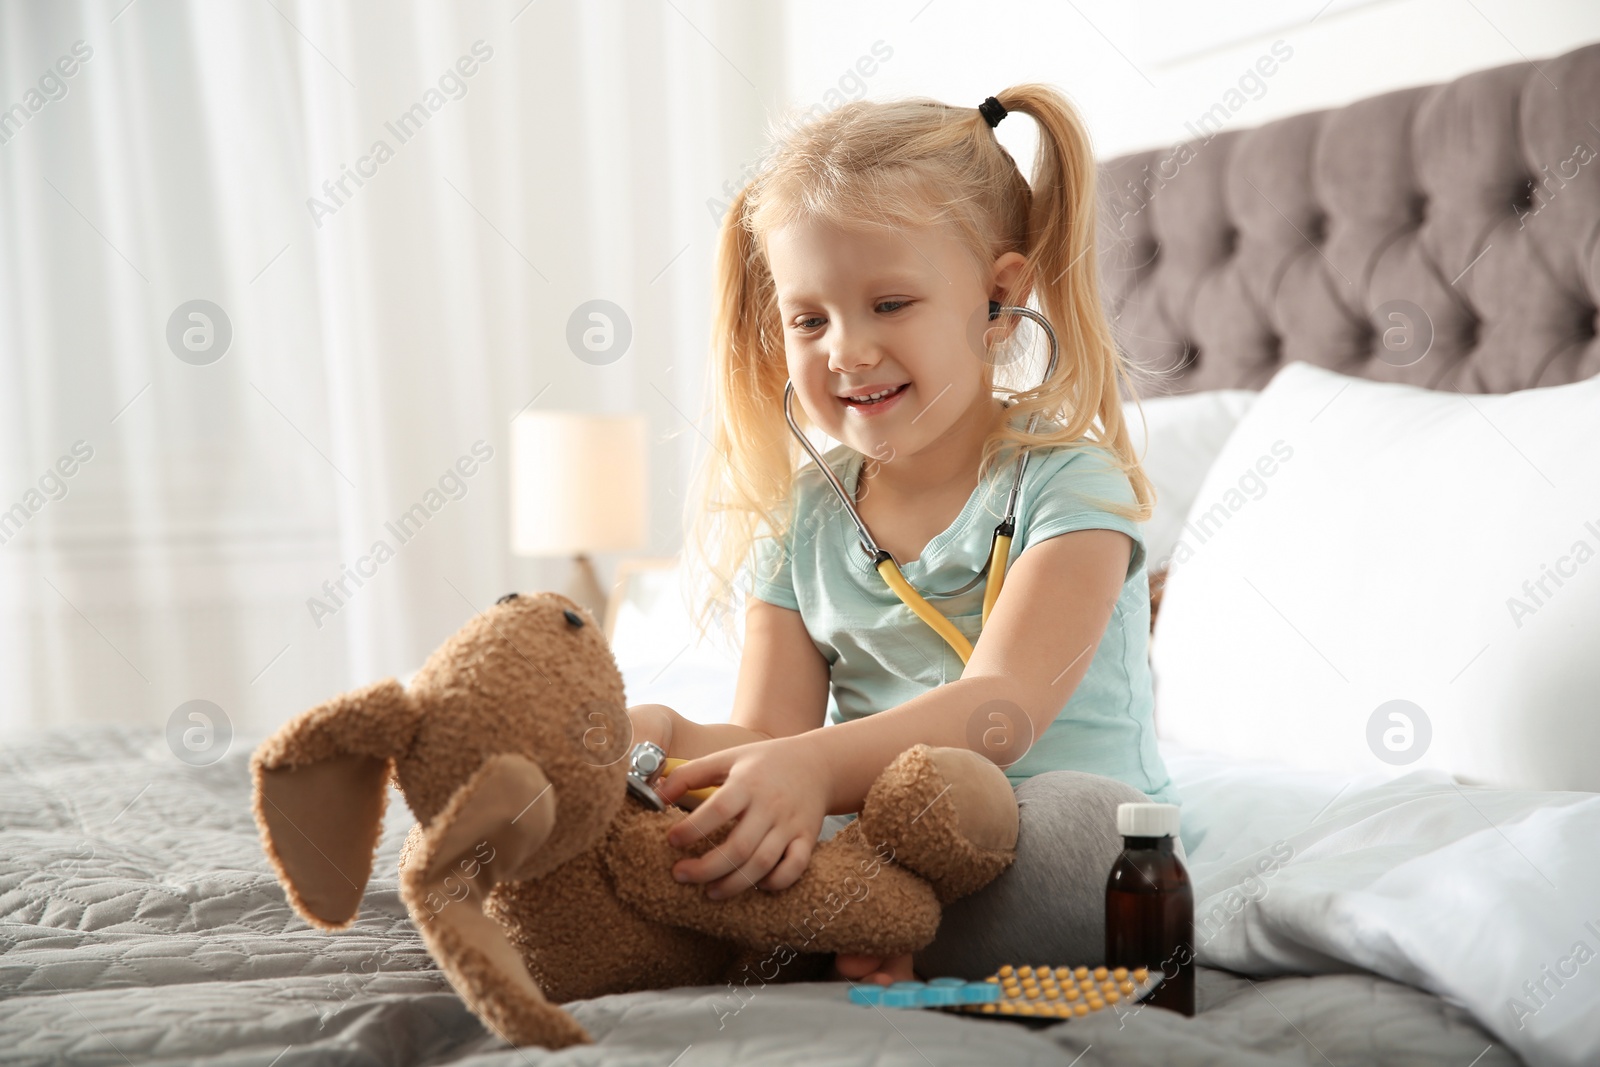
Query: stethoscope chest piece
point(645, 765)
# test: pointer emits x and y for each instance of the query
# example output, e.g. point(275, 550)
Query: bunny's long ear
point(320, 789)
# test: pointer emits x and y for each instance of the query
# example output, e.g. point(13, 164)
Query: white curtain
point(553, 153)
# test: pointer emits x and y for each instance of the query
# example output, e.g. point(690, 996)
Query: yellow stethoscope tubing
point(924, 610)
point(672, 764)
point(999, 556)
point(999, 559)
point(1000, 547)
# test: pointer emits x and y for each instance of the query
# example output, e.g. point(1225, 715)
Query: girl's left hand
point(777, 790)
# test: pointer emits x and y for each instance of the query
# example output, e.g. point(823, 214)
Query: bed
point(142, 926)
point(140, 923)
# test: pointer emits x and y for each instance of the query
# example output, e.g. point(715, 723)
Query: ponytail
point(1063, 272)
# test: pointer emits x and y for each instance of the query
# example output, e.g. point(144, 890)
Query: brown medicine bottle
point(1150, 904)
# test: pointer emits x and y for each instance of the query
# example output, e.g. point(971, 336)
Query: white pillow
point(1297, 872)
point(1358, 543)
point(1177, 439)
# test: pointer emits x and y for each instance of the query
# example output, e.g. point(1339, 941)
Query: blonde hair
point(907, 163)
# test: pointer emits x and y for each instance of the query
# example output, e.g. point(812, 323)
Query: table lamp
point(578, 486)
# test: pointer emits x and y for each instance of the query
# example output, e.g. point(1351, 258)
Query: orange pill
point(1100, 974)
point(1140, 974)
point(1080, 1009)
point(1120, 973)
point(1081, 973)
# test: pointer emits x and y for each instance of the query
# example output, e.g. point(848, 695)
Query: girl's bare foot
point(877, 969)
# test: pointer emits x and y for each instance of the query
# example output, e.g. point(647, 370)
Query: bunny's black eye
point(508, 596)
point(572, 616)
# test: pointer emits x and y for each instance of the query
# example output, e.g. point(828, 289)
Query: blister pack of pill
point(1026, 992)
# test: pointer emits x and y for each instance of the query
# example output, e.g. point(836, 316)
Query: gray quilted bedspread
point(139, 924)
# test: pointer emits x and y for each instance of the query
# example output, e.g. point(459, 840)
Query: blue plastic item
point(939, 993)
point(1023, 993)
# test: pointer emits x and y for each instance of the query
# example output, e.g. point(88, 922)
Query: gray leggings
point(1049, 906)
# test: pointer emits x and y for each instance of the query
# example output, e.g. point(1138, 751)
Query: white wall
point(1140, 70)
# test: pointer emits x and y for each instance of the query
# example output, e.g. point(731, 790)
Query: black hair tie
point(993, 111)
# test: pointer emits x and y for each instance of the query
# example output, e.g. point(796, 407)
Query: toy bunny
point(536, 877)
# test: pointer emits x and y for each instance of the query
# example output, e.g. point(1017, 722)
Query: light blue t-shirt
point(881, 655)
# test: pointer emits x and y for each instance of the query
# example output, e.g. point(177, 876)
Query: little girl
point(860, 263)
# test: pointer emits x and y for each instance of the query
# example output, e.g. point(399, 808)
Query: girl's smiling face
point(897, 310)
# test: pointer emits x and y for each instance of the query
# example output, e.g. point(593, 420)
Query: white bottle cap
point(1147, 820)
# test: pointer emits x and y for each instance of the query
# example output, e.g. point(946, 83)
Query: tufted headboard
point(1470, 210)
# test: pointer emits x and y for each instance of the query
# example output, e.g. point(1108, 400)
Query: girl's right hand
point(653, 722)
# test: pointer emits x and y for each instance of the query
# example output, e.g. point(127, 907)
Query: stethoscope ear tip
point(994, 309)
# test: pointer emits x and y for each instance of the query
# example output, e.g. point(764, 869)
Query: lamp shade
point(578, 483)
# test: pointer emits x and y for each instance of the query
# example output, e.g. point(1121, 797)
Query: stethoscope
point(999, 546)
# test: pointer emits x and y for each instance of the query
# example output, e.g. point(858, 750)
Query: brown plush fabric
point(580, 939)
point(920, 803)
point(532, 875)
point(336, 758)
point(496, 821)
point(444, 883)
point(327, 864)
point(822, 912)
